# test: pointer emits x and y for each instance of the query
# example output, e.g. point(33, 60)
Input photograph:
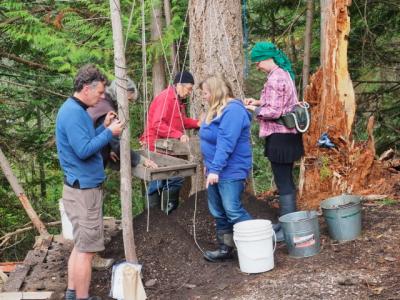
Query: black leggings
point(283, 177)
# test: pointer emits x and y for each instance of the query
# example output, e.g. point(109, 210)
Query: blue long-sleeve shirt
point(79, 144)
point(225, 142)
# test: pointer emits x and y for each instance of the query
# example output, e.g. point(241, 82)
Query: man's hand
point(184, 138)
point(116, 127)
point(212, 179)
point(113, 156)
point(111, 115)
point(251, 101)
point(148, 163)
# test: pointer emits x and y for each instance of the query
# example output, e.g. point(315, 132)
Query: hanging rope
point(245, 39)
point(176, 105)
point(129, 23)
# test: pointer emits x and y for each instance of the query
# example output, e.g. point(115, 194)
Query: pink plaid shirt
point(277, 98)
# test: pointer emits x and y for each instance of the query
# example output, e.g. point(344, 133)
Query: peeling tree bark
point(345, 168)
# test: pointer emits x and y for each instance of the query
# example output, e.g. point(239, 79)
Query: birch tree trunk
point(20, 193)
point(216, 45)
point(123, 113)
point(343, 169)
point(158, 70)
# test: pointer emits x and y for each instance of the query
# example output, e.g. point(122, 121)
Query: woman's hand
point(212, 179)
point(251, 101)
point(148, 163)
point(111, 115)
point(114, 157)
point(251, 107)
point(184, 138)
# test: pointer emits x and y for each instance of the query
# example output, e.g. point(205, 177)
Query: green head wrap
point(266, 50)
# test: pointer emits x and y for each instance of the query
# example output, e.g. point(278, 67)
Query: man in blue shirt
point(78, 147)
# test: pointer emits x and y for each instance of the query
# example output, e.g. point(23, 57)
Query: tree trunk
point(19, 191)
point(292, 42)
point(273, 26)
point(342, 169)
point(123, 113)
point(174, 58)
point(158, 70)
point(216, 45)
point(307, 43)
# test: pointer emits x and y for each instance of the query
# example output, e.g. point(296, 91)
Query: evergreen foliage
point(43, 43)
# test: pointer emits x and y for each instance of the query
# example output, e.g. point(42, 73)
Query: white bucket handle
point(273, 250)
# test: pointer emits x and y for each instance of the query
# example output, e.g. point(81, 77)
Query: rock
point(389, 258)
point(189, 286)
point(346, 281)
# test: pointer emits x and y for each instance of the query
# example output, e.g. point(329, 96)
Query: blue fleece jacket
point(225, 143)
point(79, 144)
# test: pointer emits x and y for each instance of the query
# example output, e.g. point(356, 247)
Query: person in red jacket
point(167, 119)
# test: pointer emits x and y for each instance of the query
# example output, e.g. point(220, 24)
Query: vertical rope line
point(194, 214)
point(129, 23)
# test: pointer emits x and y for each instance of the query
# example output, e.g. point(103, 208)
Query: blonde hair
point(221, 94)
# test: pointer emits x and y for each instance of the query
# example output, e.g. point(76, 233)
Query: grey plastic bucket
point(301, 231)
point(343, 216)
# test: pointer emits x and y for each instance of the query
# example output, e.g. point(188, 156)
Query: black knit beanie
point(184, 77)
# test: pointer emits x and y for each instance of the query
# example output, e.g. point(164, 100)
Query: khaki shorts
point(84, 209)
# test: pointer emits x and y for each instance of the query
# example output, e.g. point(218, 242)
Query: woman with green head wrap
point(283, 146)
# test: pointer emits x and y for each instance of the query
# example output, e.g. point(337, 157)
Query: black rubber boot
point(170, 200)
point(154, 200)
point(287, 205)
point(225, 250)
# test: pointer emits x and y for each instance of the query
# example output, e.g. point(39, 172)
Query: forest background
point(43, 43)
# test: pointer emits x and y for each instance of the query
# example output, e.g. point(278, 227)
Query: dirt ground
point(173, 267)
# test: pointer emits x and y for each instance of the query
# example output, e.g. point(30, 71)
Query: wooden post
point(123, 113)
point(19, 191)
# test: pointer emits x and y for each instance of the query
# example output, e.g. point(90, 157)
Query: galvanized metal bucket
point(301, 231)
point(343, 216)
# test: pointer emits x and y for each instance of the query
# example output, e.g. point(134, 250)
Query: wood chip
point(389, 258)
point(377, 291)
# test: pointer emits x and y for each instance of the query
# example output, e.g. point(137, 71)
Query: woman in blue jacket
point(226, 149)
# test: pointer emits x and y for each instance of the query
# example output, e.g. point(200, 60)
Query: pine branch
point(31, 64)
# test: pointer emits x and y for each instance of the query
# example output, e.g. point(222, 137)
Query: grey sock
point(70, 294)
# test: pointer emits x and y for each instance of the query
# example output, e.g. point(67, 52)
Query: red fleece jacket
point(166, 119)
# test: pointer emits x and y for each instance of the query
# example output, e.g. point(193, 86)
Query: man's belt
point(76, 185)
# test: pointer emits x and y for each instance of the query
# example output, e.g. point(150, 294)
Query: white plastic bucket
point(255, 245)
point(66, 224)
